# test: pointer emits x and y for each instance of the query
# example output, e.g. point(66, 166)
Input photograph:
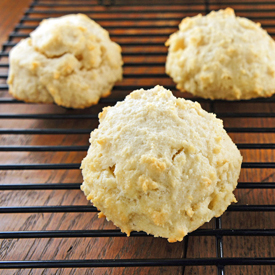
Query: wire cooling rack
point(48, 227)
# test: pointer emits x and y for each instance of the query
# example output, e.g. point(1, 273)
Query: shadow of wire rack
point(48, 227)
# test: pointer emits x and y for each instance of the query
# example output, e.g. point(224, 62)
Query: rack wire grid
point(48, 227)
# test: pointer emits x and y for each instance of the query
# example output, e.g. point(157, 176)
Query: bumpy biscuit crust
point(160, 164)
point(68, 60)
point(221, 56)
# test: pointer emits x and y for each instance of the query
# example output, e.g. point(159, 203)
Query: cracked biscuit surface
point(221, 56)
point(68, 60)
point(160, 164)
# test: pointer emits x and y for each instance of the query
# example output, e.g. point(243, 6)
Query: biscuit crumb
point(100, 215)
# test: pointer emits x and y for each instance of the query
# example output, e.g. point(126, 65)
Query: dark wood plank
point(134, 247)
point(11, 12)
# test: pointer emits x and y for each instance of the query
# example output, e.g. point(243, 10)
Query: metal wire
point(134, 263)
point(76, 186)
point(68, 166)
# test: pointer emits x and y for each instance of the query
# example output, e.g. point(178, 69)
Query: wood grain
point(122, 247)
point(11, 12)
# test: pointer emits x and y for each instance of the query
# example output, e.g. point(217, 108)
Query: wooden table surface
point(11, 12)
point(120, 247)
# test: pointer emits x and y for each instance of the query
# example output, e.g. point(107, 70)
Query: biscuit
point(160, 164)
point(68, 60)
point(221, 56)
